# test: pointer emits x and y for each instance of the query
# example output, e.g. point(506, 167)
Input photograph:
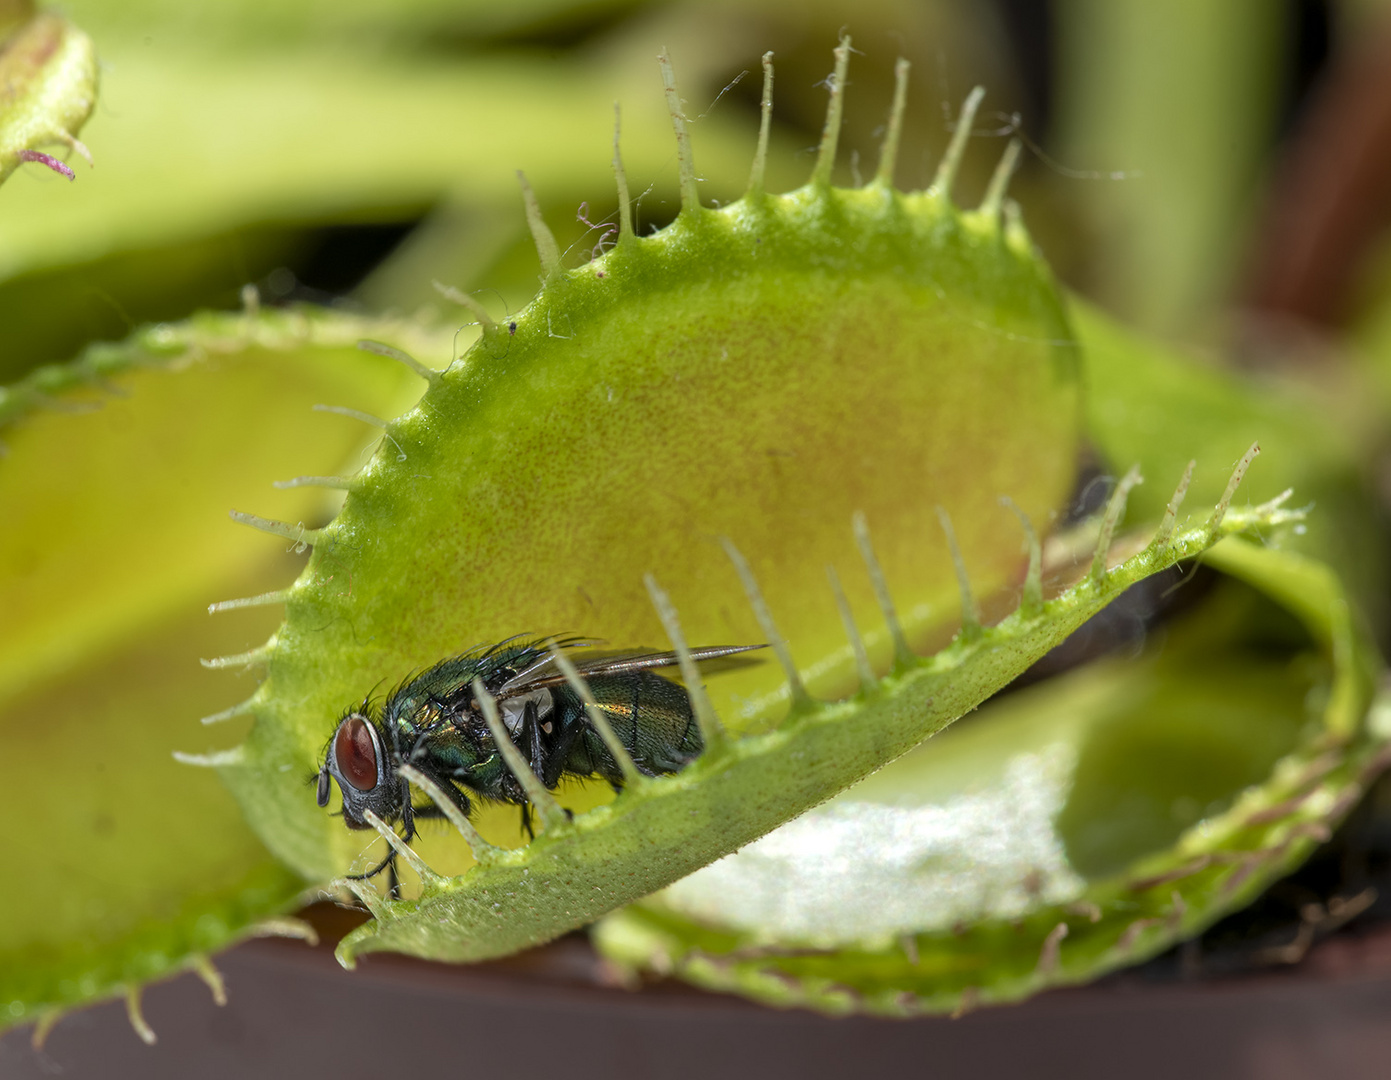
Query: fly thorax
point(514, 708)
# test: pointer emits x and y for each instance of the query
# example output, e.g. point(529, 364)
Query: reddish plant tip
point(47, 159)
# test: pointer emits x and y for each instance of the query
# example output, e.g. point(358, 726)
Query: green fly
point(434, 723)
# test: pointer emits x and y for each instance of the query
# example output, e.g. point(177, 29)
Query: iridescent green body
point(435, 723)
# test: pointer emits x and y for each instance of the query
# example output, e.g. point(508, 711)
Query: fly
point(433, 723)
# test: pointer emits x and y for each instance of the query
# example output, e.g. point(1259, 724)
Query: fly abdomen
point(651, 716)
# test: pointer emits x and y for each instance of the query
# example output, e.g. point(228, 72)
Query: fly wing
point(545, 673)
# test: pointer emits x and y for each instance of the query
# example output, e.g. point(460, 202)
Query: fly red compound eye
point(356, 754)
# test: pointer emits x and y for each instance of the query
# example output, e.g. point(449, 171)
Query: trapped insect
point(433, 722)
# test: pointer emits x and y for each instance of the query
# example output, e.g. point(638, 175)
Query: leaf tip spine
point(796, 688)
point(956, 148)
point(835, 110)
point(711, 730)
point(888, 153)
point(690, 197)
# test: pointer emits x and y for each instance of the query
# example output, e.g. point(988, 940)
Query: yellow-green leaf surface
point(48, 85)
point(1070, 829)
point(115, 488)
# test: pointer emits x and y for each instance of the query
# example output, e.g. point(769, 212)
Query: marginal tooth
point(711, 730)
point(242, 708)
point(279, 596)
point(203, 968)
point(301, 535)
point(337, 483)
point(857, 644)
point(43, 1027)
point(216, 760)
point(999, 182)
point(366, 418)
point(464, 300)
point(552, 815)
point(427, 876)
point(795, 686)
point(286, 926)
point(951, 160)
point(482, 850)
point(1170, 520)
point(137, 1018)
point(1051, 953)
point(765, 124)
point(685, 161)
point(429, 374)
point(366, 895)
point(1115, 510)
point(970, 613)
point(1031, 602)
point(835, 109)
point(546, 248)
point(888, 154)
point(903, 654)
point(354, 414)
point(620, 178)
point(1215, 522)
point(250, 658)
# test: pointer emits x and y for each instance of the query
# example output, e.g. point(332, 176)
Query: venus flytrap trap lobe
point(473, 477)
point(672, 824)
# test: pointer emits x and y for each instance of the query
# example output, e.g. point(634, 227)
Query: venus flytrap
point(757, 385)
point(608, 429)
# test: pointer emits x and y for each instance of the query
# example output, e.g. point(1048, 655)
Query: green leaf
point(1082, 825)
point(119, 472)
